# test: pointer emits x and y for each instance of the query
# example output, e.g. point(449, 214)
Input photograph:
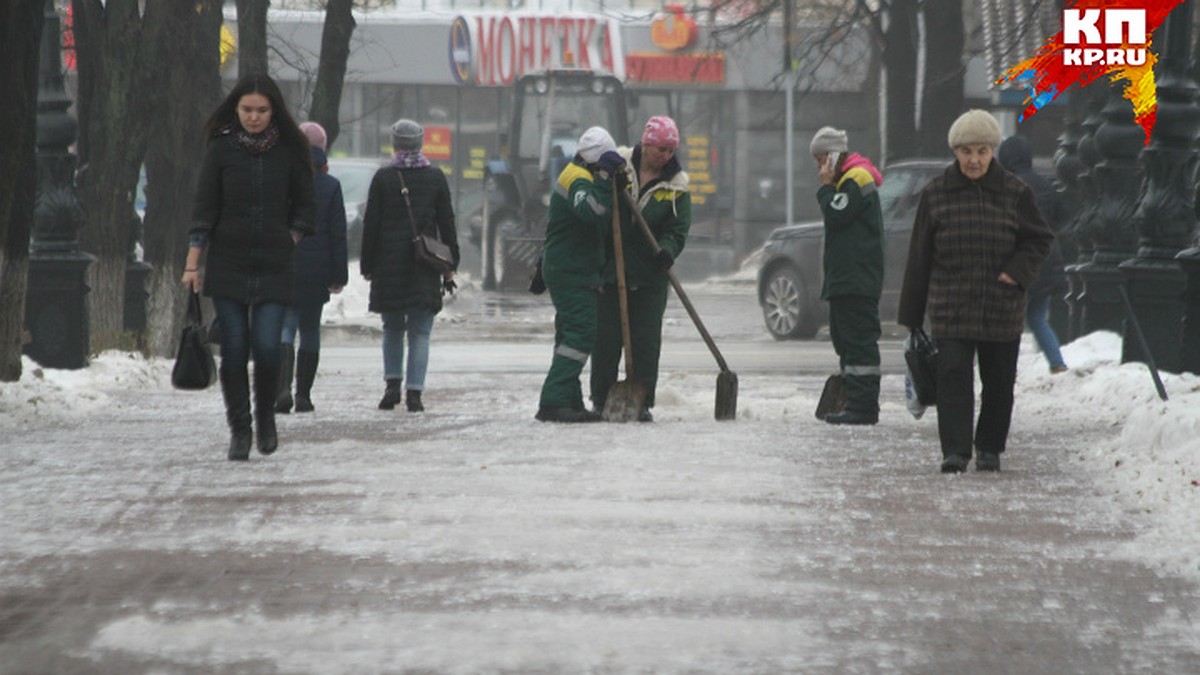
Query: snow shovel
point(625, 398)
point(727, 380)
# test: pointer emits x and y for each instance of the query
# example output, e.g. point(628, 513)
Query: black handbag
point(194, 364)
point(921, 358)
point(428, 251)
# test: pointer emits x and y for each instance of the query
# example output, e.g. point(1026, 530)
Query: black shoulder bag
point(428, 251)
point(195, 367)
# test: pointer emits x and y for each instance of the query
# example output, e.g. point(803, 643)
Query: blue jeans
point(246, 329)
point(307, 321)
point(417, 323)
point(1037, 313)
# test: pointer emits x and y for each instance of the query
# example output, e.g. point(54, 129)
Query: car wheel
point(786, 308)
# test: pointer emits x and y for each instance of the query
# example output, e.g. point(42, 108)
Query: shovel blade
point(833, 397)
point(727, 393)
point(624, 402)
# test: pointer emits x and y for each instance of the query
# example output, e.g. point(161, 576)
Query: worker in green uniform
point(659, 187)
point(578, 220)
point(853, 259)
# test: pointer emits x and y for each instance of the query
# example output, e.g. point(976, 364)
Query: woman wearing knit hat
point(853, 259)
point(578, 225)
point(659, 187)
point(406, 198)
point(978, 242)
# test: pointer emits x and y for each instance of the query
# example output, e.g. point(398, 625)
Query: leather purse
point(428, 251)
point(194, 367)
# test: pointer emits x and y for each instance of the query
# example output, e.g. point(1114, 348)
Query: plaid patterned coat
point(967, 233)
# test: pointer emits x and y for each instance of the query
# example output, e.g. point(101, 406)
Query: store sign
point(674, 30)
point(676, 68)
point(437, 143)
point(492, 50)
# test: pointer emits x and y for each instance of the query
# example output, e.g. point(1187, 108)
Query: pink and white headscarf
point(661, 131)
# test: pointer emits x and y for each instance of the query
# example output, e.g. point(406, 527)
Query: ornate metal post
point(1116, 177)
point(1166, 216)
point(1069, 170)
point(55, 305)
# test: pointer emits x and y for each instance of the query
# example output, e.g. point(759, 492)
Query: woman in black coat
point(406, 293)
point(254, 201)
point(320, 271)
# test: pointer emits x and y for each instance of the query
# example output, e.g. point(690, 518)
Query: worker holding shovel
point(578, 222)
point(659, 188)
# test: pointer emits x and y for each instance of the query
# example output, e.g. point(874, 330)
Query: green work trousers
point(646, 307)
point(574, 339)
point(854, 330)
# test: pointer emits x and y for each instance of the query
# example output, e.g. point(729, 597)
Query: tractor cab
point(550, 111)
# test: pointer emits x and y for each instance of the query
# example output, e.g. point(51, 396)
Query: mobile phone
point(831, 160)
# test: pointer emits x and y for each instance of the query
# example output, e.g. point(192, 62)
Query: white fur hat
point(593, 143)
point(828, 139)
point(974, 126)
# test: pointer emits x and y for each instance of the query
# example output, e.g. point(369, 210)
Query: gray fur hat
point(974, 127)
point(407, 135)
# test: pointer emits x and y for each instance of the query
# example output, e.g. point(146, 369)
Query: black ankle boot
point(413, 401)
point(306, 372)
point(235, 387)
point(391, 395)
point(266, 382)
point(287, 357)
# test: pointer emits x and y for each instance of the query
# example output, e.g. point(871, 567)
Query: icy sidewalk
point(474, 539)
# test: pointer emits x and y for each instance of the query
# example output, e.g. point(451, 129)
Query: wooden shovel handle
point(619, 256)
point(687, 304)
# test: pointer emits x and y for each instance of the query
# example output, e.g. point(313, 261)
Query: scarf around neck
point(409, 159)
point(256, 144)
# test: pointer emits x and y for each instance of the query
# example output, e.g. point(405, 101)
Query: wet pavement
point(472, 539)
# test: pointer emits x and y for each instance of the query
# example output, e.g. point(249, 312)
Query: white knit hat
point(407, 135)
point(974, 127)
point(828, 139)
point(593, 143)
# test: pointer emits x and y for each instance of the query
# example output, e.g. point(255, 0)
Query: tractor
point(550, 110)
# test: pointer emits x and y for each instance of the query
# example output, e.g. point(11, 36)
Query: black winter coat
point(247, 205)
point(397, 283)
point(1016, 155)
point(321, 258)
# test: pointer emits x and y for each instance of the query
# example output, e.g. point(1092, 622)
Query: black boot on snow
point(235, 387)
point(306, 372)
point(287, 356)
point(266, 384)
point(391, 395)
point(413, 401)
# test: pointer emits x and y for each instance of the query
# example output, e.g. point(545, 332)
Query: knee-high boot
point(266, 382)
point(235, 386)
point(306, 372)
point(283, 401)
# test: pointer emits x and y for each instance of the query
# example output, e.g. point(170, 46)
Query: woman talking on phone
point(853, 269)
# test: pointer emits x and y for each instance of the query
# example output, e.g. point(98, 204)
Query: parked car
point(355, 174)
point(789, 281)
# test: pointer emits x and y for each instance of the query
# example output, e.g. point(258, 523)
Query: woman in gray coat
point(978, 242)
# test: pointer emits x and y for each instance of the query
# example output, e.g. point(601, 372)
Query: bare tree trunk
point(252, 36)
point(331, 72)
point(900, 58)
point(20, 36)
point(942, 100)
point(182, 40)
point(108, 37)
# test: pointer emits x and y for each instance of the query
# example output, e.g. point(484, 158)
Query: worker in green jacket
point(853, 260)
point(578, 220)
point(659, 187)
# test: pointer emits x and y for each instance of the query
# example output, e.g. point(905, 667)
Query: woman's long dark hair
point(260, 83)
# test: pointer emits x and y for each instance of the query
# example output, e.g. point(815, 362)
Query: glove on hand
point(664, 259)
point(449, 286)
point(610, 162)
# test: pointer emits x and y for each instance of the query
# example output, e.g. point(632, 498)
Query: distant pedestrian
point(977, 244)
point(1016, 155)
point(659, 187)
point(254, 202)
point(853, 260)
point(320, 270)
point(578, 221)
point(406, 292)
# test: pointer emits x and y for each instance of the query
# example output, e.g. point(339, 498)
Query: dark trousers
point(956, 394)
point(646, 307)
point(854, 330)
